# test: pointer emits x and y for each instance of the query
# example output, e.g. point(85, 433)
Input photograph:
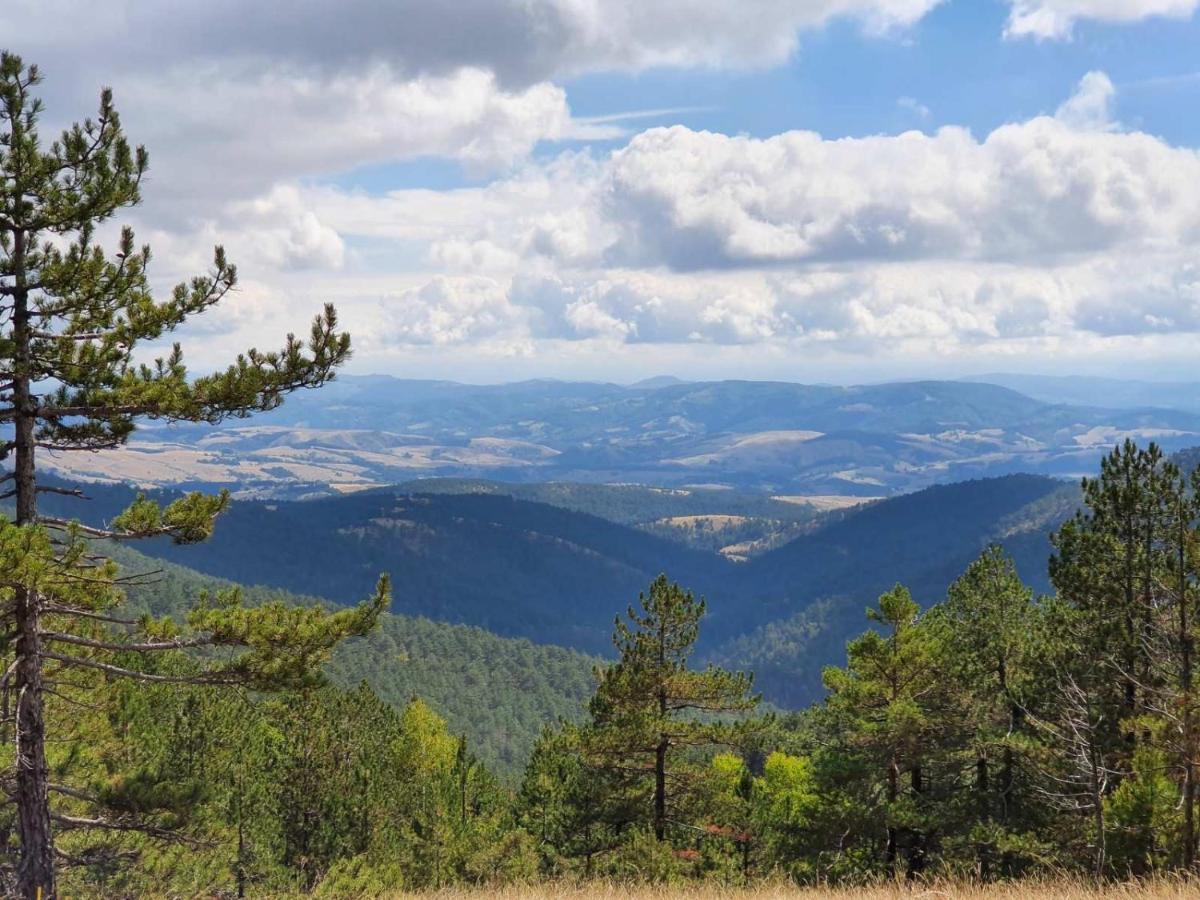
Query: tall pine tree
point(649, 704)
point(72, 316)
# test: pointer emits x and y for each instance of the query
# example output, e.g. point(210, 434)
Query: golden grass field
point(1060, 890)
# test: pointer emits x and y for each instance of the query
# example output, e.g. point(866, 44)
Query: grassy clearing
point(1056, 890)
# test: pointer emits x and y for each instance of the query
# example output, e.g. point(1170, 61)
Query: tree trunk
point(1008, 766)
point(981, 796)
point(918, 838)
point(1097, 785)
point(35, 871)
point(1185, 691)
point(893, 791)
point(660, 791)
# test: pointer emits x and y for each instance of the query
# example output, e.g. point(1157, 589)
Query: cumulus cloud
point(448, 311)
point(280, 231)
point(863, 310)
point(1034, 190)
point(241, 132)
point(1047, 19)
point(522, 41)
point(1059, 228)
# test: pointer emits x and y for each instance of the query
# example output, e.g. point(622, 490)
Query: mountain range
point(778, 438)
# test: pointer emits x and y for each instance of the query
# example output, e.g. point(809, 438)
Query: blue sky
point(496, 189)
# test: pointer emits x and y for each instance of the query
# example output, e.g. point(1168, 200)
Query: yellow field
point(1157, 890)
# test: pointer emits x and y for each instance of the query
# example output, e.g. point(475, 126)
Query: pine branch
point(210, 678)
point(148, 647)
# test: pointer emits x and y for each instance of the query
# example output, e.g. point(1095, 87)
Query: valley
point(548, 571)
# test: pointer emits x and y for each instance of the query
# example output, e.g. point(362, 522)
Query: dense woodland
point(552, 574)
point(166, 737)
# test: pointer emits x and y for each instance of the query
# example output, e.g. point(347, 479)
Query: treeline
point(994, 735)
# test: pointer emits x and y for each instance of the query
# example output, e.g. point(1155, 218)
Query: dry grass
point(1055, 890)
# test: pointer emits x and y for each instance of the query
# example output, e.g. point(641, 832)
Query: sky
point(806, 190)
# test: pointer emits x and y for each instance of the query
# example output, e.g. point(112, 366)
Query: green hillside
point(518, 569)
point(556, 576)
point(498, 692)
point(808, 596)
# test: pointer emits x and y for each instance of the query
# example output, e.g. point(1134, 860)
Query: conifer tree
point(1127, 569)
point(72, 317)
point(993, 654)
point(1109, 566)
point(649, 704)
point(889, 702)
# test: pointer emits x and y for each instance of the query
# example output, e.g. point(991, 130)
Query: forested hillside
point(499, 693)
point(554, 575)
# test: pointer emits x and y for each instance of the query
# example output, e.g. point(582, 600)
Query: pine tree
point(889, 703)
point(649, 703)
point(1128, 570)
point(1109, 566)
point(571, 810)
point(993, 649)
point(71, 318)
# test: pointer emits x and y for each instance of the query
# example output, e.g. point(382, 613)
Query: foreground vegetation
point(1049, 890)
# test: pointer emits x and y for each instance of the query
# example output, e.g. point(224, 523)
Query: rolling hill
point(772, 437)
point(516, 568)
point(805, 600)
point(554, 575)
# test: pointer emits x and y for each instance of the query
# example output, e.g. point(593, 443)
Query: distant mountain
point(1111, 393)
point(559, 576)
point(658, 381)
point(771, 437)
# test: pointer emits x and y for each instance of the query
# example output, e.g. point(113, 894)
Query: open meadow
point(1160, 889)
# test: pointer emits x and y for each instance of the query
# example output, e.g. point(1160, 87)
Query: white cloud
point(916, 107)
point(243, 131)
point(448, 311)
point(1030, 191)
point(1047, 19)
point(1058, 229)
point(1090, 107)
point(1061, 230)
point(278, 230)
point(522, 41)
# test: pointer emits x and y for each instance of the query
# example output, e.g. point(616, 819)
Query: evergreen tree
point(71, 319)
point(890, 705)
point(993, 654)
point(1109, 567)
point(649, 704)
point(1127, 570)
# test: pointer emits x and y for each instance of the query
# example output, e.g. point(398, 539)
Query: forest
point(166, 737)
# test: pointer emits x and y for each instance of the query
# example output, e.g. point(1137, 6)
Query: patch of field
point(824, 502)
point(352, 488)
point(1060, 890)
point(757, 448)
